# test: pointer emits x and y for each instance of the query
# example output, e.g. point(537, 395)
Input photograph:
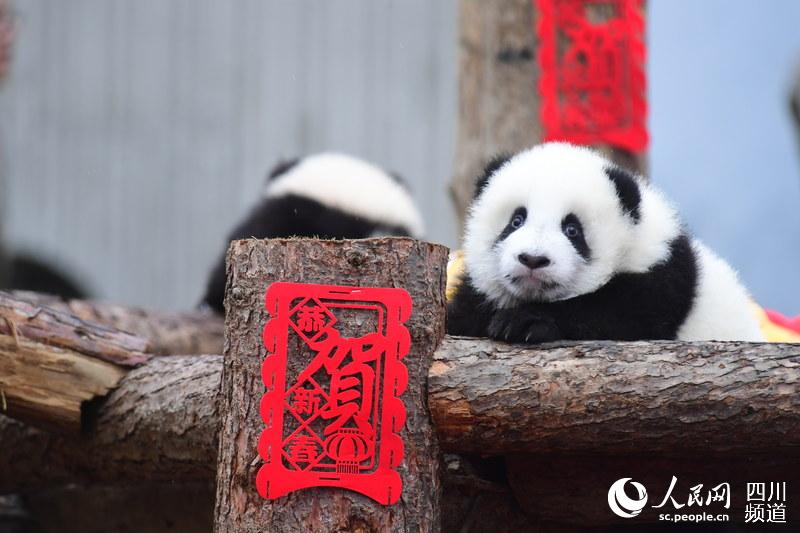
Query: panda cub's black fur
point(562, 244)
point(327, 196)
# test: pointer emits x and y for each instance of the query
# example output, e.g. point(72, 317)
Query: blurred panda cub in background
point(328, 196)
point(560, 243)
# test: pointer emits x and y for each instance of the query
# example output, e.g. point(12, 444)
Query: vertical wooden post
point(498, 100)
point(498, 91)
point(253, 265)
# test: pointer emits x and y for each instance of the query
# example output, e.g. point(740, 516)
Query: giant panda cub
point(327, 196)
point(562, 244)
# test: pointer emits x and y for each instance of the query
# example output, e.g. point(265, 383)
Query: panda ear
point(627, 190)
point(282, 167)
point(490, 168)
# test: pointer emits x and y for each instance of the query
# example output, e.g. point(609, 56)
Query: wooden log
point(253, 265)
point(485, 397)
point(52, 362)
point(498, 92)
point(177, 333)
point(47, 325)
point(159, 425)
point(46, 386)
point(573, 407)
point(615, 397)
point(498, 99)
point(185, 454)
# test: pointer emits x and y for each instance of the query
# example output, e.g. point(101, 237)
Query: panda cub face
point(551, 223)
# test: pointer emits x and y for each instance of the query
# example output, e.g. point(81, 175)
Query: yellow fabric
point(772, 332)
point(455, 266)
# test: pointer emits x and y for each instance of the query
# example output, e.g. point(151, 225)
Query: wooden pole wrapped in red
point(592, 80)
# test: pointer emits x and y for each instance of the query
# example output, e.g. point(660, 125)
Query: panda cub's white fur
point(722, 309)
point(326, 196)
point(351, 185)
point(562, 244)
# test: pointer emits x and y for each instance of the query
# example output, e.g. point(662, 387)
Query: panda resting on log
point(561, 244)
point(325, 196)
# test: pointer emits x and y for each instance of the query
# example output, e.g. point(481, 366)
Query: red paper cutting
point(332, 409)
point(592, 79)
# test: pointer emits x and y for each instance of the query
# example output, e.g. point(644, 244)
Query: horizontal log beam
point(486, 397)
point(46, 386)
point(167, 333)
point(612, 397)
point(56, 356)
point(160, 424)
point(51, 362)
point(56, 327)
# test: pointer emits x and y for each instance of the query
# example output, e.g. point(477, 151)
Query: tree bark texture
point(485, 397)
point(52, 362)
point(178, 333)
point(159, 425)
point(47, 325)
point(498, 98)
point(253, 265)
point(615, 397)
point(498, 92)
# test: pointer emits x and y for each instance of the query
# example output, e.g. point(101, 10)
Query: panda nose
point(533, 261)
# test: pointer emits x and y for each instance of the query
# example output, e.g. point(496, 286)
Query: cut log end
point(51, 362)
point(47, 386)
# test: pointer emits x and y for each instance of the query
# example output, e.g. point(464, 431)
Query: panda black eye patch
point(514, 223)
point(573, 229)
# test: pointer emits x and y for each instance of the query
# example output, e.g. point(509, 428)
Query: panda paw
point(522, 326)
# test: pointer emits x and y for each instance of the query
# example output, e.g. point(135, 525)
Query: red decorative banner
point(592, 79)
point(332, 409)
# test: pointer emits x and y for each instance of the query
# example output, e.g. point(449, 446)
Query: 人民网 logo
point(621, 504)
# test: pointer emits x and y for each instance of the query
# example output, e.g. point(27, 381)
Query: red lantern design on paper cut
point(332, 406)
point(592, 78)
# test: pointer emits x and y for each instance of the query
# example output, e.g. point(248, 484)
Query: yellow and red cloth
point(775, 326)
